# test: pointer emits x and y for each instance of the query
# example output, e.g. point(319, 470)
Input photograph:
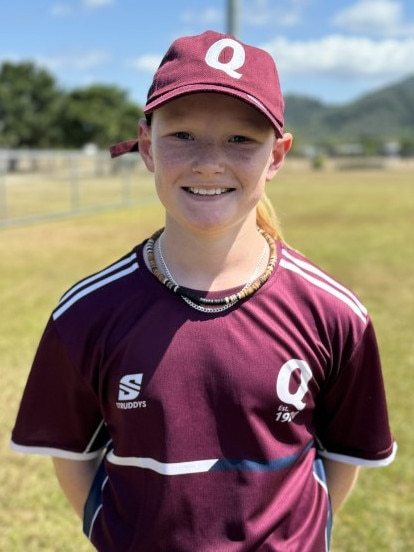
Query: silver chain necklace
point(203, 308)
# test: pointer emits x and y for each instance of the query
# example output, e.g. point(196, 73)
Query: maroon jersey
point(214, 424)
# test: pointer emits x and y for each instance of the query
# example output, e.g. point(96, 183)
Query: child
point(227, 388)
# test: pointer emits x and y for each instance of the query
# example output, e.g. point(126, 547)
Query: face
point(211, 156)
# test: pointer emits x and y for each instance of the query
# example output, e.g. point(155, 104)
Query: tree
point(407, 147)
point(35, 113)
point(29, 105)
point(98, 114)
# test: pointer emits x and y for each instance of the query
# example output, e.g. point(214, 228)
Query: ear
point(145, 144)
point(281, 146)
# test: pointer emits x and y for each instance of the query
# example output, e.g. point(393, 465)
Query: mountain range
point(386, 115)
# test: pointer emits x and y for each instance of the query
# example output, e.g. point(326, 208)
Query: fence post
point(126, 180)
point(74, 185)
point(3, 192)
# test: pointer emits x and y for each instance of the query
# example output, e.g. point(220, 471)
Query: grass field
point(357, 225)
point(58, 191)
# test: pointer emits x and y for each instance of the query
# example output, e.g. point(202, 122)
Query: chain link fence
point(41, 185)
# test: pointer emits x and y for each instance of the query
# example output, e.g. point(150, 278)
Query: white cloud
point(60, 10)
point(81, 62)
point(343, 57)
point(207, 17)
point(64, 10)
point(148, 63)
point(262, 12)
point(97, 3)
point(385, 17)
point(255, 13)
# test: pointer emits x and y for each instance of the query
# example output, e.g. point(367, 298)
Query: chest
point(251, 371)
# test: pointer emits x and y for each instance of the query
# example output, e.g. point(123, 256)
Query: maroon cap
point(215, 62)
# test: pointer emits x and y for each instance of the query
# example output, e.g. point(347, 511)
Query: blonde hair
point(267, 219)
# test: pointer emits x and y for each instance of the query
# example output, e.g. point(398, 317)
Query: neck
point(213, 263)
point(205, 304)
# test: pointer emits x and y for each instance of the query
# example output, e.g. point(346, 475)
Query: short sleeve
point(59, 414)
point(351, 415)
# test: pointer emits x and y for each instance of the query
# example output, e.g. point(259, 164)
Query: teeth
point(208, 191)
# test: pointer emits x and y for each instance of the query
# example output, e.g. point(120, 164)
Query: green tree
point(100, 115)
point(372, 145)
point(407, 147)
point(29, 105)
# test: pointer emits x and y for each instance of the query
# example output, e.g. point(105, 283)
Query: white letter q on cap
point(213, 54)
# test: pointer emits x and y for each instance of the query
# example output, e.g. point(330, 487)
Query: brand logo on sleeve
point(128, 390)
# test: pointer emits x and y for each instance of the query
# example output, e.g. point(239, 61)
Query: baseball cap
point(215, 62)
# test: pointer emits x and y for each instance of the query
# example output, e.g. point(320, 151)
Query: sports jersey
point(214, 425)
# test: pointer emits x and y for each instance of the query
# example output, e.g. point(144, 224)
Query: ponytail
point(267, 219)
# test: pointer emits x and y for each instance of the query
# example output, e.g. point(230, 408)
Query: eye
point(239, 139)
point(183, 135)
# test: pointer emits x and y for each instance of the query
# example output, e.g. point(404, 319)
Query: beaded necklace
point(203, 303)
point(203, 308)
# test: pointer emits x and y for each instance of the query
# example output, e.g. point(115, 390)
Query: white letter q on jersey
point(213, 55)
point(283, 381)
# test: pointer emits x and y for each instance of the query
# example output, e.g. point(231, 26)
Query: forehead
point(209, 104)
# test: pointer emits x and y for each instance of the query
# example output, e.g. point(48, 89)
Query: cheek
point(168, 169)
point(258, 171)
point(168, 161)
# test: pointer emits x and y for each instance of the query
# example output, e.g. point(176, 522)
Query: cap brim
point(128, 146)
point(199, 88)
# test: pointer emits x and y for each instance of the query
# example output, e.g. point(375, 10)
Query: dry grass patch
point(357, 225)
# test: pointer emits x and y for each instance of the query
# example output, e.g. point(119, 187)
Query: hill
point(386, 114)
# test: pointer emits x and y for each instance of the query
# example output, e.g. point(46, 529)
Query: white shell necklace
point(212, 309)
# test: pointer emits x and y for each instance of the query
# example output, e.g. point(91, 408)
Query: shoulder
point(102, 287)
point(312, 283)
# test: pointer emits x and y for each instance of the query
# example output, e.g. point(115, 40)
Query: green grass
point(357, 225)
point(76, 186)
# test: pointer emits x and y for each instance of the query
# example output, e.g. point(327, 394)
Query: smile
point(208, 191)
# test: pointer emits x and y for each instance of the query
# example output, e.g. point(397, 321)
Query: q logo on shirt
point(302, 370)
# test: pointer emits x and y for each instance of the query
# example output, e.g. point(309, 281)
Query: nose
point(209, 159)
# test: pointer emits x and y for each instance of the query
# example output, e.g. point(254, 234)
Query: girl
point(227, 388)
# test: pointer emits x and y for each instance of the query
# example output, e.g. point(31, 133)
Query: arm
point(75, 478)
point(341, 479)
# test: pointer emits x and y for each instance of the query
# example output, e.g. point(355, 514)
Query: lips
point(208, 191)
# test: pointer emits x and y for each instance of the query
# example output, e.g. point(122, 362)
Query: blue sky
point(333, 50)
